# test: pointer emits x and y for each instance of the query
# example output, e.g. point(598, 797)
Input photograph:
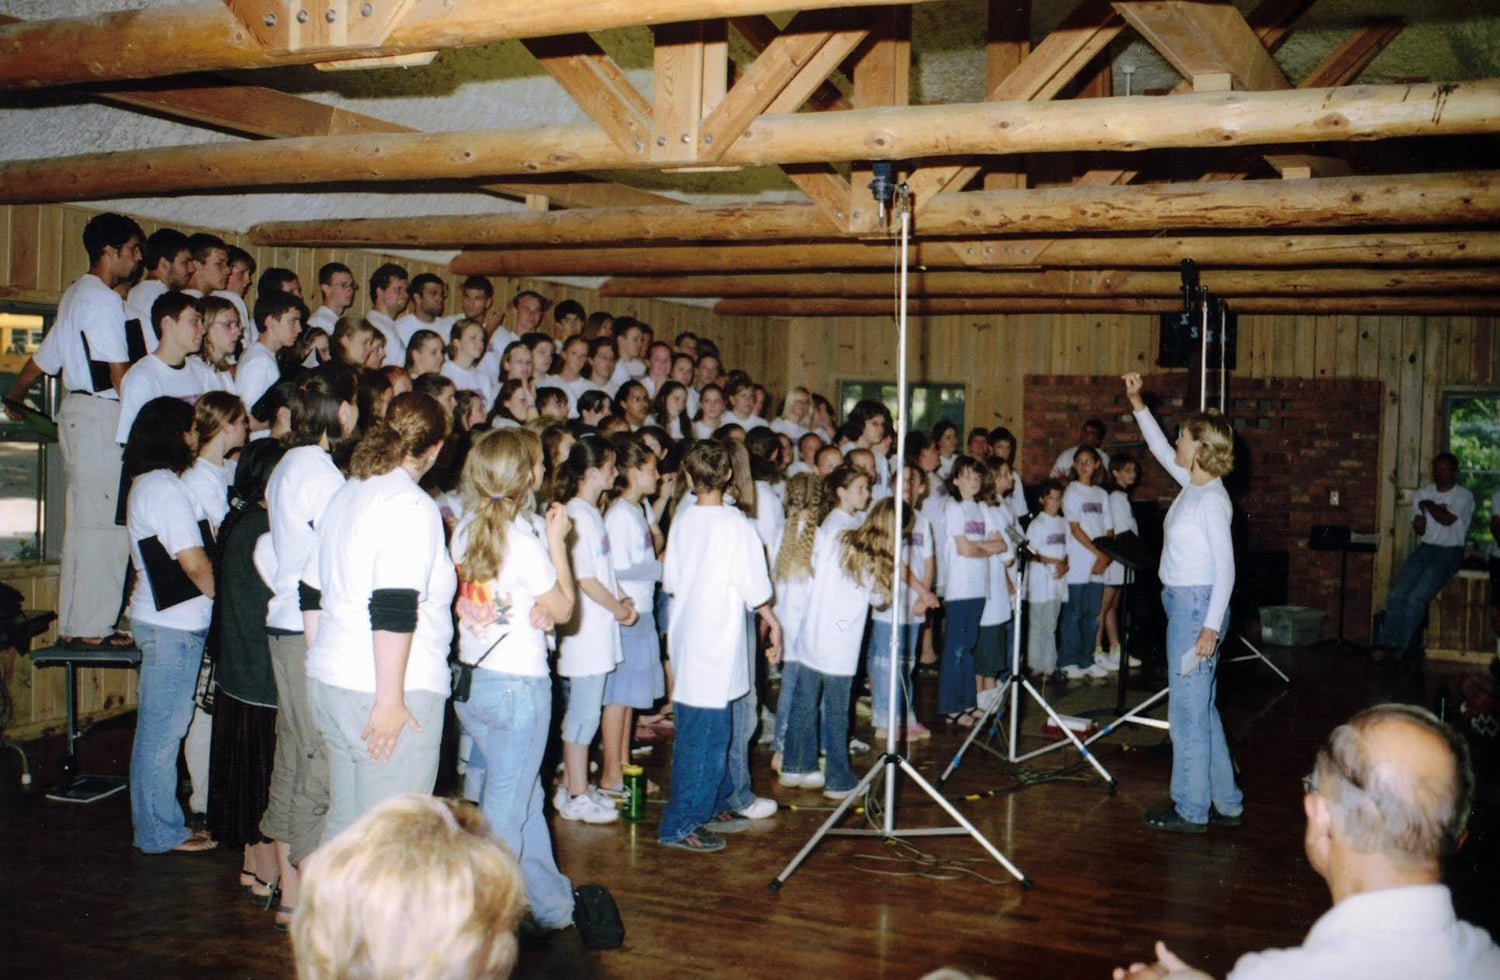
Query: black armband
point(394, 610)
point(309, 599)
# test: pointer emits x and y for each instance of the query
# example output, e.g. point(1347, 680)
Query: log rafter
point(896, 133)
point(786, 306)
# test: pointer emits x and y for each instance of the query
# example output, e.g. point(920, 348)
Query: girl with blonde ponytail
point(512, 585)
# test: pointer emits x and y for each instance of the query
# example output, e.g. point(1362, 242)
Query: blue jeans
point(700, 770)
point(790, 670)
point(1080, 621)
point(830, 693)
point(1422, 577)
point(956, 670)
point(169, 673)
point(1202, 772)
point(745, 714)
point(508, 716)
point(880, 670)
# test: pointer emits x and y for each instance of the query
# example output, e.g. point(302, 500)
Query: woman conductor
point(1197, 576)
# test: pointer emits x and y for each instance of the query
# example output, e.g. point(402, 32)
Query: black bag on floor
point(597, 917)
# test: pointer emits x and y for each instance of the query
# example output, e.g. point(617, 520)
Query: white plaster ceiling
point(500, 86)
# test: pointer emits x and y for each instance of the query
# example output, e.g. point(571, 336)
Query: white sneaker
point(1133, 661)
point(602, 798)
point(1075, 673)
point(1108, 663)
point(587, 809)
point(806, 780)
point(760, 809)
point(986, 699)
point(857, 747)
point(837, 794)
point(1097, 671)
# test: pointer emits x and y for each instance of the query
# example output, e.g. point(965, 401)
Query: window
point(30, 464)
point(1473, 435)
point(926, 404)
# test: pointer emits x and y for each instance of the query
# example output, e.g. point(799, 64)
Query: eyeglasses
point(1309, 785)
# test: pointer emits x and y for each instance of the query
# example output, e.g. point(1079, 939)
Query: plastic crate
point(1290, 626)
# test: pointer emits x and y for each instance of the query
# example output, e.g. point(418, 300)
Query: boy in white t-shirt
point(1046, 585)
point(279, 317)
point(715, 569)
point(163, 371)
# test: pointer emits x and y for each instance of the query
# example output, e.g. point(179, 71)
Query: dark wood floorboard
point(77, 901)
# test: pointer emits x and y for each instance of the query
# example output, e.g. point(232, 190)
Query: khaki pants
point(95, 550)
point(298, 802)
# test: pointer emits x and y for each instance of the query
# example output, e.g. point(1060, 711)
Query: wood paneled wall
point(1415, 358)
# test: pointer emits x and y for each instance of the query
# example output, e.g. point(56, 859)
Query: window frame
point(1482, 483)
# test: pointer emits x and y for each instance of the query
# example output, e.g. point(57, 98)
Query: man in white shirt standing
point(388, 295)
point(279, 316)
point(164, 371)
point(237, 284)
point(210, 265)
point(1387, 800)
point(1441, 512)
point(86, 346)
point(1091, 435)
point(169, 265)
point(336, 283)
point(429, 295)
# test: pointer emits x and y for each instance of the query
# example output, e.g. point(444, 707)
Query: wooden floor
point(77, 901)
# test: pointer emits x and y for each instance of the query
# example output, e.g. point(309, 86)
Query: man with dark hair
point(168, 265)
point(237, 285)
point(278, 317)
point(476, 301)
point(569, 316)
point(593, 408)
point(687, 343)
point(86, 346)
point(279, 280)
point(1440, 515)
point(1090, 434)
point(210, 264)
point(527, 308)
point(179, 324)
point(388, 295)
point(429, 295)
point(1386, 802)
point(336, 284)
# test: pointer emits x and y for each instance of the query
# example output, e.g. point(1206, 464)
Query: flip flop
point(199, 842)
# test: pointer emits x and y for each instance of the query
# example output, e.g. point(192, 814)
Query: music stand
point(1130, 552)
point(1339, 537)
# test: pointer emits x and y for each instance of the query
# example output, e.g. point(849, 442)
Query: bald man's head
point(1399, 783)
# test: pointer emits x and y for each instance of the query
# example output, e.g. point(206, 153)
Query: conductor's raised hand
point(1133, 387)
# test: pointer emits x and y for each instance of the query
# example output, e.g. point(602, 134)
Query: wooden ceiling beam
point(758, 32)
point(1205, 38)
point(1145, 251)
point(258, 111)
point(206, 35)
point(787, 306)
point(1344, 63)
point(896, 133)
point(596, 83)
point(1421, 200)
point(1065, 282)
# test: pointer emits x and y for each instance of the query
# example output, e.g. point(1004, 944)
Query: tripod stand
point(1014, 685)
point(891, 761)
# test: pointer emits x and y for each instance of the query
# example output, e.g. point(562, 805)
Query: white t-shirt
point(90, 312)
point(296, 496)
point(1122, 516)
point(632, 369)
point(207, 379)
point(632, 553)
point(471, 378)
point(149, 378)
point(257, 372)
point(967, 578)
point(997, 598)
point(497, 613)
point(395, 347)
point(590, 644)
point(325, 318)
point(573, 389)
point(833, 628)
point(143, 295)
point(411, 323)
point(1457, 499)
point(792, 430)
point(1048, 535)
point(703, 429)
point(208, 483)
point(381, 533)
point(916, 554)
point(746, 422)
point(715, 570)
point(770, 516)
point(160, 507)
point(835, 524)
point(935, 509)
point(1088, 507)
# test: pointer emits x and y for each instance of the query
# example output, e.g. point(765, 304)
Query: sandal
point(283, 921)
point(199, 841)
point(115, 641)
